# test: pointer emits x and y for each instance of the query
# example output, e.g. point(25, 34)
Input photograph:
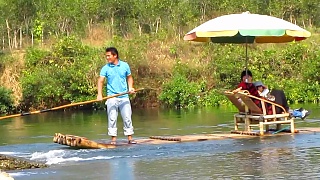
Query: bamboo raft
point(84, 143)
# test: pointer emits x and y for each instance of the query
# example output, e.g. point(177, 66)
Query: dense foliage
point(67, 73)
point(59, 67)
point(6, 101)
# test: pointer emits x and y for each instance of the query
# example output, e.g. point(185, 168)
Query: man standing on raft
point(119, 80)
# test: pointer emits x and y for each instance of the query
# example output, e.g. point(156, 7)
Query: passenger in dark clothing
point(280, 98)
point(276, 96)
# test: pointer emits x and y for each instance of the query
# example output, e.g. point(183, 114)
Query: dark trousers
point(280, 99)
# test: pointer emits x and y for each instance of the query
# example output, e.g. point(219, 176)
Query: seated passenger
point(264, 91)
point(279, 97)
point(246, 84)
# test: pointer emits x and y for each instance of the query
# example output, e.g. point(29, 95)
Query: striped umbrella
point(247, 28)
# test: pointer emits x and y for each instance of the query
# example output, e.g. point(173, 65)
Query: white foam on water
point(60, 156)
point(8, 153)
point(12, 153)
point(17, 174)
point(46, 155)
point(28, 173)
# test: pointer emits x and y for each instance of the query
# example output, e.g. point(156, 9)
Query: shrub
point(180, 92)
point(67, 74)
point(6, 100)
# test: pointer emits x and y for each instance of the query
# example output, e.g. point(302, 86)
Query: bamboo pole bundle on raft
point(79, 142)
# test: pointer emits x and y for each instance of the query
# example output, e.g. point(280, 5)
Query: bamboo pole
point(64, 106)
point(79, 142)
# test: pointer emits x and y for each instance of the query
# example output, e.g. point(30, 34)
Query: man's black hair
point(113, 51)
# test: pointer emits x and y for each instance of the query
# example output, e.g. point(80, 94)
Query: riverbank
point(16, 163)
point(187, 81)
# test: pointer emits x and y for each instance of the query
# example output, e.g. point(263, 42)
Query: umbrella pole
point(246, 56)
point(246, 59)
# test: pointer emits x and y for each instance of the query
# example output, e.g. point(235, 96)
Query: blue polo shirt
point(116, 76)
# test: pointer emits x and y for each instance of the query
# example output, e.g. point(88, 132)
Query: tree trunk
point(3, 43)
point(42, 34)
point(90, 22)
point(15, 43)
point(203, 11)
point(89, 28)
point(310, 22)
point(112, 23)
point(8, 33)
point(140, 30)
point(158, 24)
point(32, 38)
point(20, 41)
point(67, 27)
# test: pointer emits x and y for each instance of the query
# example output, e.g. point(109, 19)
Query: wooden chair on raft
point(250, 115)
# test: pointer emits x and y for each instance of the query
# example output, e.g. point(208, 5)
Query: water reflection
point(121, 169)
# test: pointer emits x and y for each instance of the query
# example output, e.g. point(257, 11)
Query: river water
point(278, 157)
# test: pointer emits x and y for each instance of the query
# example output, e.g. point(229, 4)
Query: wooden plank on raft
point(84, 143)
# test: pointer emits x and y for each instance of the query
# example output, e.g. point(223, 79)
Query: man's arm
point(130, 84)
point(237, 90)
point(100, 86)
